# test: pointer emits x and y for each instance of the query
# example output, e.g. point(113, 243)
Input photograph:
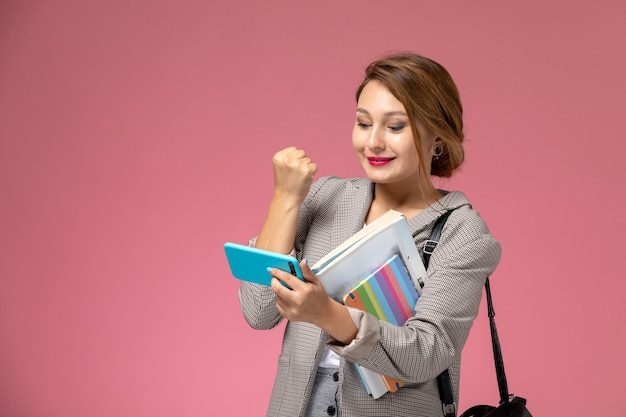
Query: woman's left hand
point(308, 301)
point(305, 301)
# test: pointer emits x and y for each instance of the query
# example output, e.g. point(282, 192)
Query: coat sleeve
point(432, 339)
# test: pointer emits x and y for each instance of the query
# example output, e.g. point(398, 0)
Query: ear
point(437, 143)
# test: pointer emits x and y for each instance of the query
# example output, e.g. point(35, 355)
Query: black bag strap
point(503, 386)
point(443, 380)
point(435, 235)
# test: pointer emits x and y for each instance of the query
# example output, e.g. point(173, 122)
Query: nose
point(376, 138)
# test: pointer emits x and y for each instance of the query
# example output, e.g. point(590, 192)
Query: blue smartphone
point(250, 264)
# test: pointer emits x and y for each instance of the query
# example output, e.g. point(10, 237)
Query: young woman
point(408, 127)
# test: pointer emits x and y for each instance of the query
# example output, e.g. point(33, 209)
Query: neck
point(408, 201)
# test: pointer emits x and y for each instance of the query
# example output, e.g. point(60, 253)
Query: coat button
point(336, 376)
point(331, 410)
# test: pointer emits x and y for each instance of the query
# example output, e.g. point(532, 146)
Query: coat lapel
point(351, 211)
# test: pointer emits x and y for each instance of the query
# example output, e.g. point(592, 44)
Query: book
point(384, 244)
point(389, 295)
point(359, 256)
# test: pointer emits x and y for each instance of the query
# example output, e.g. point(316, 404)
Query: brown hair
point(428, 94)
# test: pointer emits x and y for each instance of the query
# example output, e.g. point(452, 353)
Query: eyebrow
point(390, 113)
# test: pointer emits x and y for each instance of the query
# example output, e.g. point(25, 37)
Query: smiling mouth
point(379, 160)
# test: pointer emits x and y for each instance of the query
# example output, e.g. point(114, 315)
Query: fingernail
point(268, 269)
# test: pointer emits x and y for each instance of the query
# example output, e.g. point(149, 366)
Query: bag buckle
point(429, 246)
point(449, 410)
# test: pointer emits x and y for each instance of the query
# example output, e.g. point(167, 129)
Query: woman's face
point(382, 137)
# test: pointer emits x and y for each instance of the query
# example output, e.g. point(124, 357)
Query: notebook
point(388, 294)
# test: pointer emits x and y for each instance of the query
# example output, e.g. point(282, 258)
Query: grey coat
point(417, 352)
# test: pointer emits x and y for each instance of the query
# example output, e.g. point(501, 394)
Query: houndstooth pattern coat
point(417, 352)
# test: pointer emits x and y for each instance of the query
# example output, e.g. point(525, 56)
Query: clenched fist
point(293, 173)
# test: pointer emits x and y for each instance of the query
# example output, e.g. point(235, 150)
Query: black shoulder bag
point(510, 405)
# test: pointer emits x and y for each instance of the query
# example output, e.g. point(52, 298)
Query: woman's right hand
point(293, 174)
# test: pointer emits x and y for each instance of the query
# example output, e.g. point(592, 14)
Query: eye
point(397, 128)
point(362, 125)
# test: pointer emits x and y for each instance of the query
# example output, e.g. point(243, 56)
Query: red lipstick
point(378, 161)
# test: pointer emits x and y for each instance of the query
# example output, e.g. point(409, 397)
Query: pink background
point(136, 137)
